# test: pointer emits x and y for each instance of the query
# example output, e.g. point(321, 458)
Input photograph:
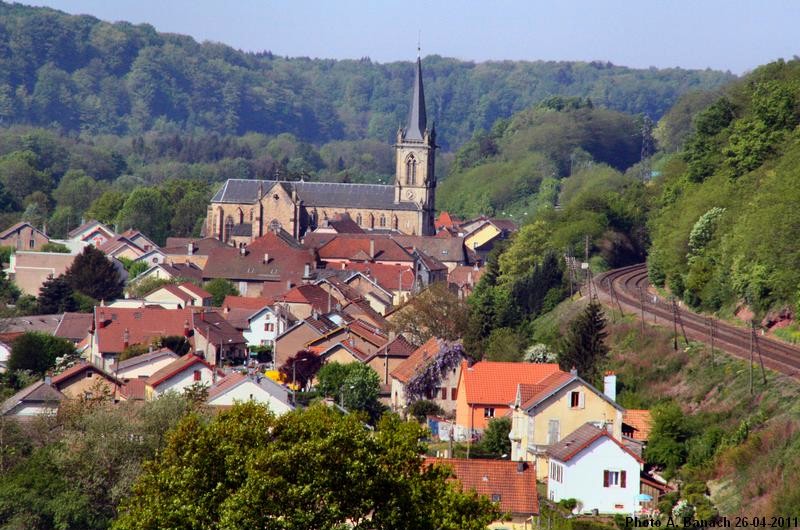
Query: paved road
point(625, 289)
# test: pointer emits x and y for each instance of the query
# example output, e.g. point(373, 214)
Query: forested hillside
point(725, 227)
point(85, 75)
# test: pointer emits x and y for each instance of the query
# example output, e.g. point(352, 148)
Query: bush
point(423, 408)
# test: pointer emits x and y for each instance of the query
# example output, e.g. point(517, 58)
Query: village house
point(482, 233)
point(269, 266)
point(23, 236)
point(74, 326)
point(446, 393)
point(544, 412)
point(29, 270)
point(217, 340)
point(117, 328)
point(152, 257)
point(144, 365)
point(397, 281)
point(179, 375)
point(511, 485)
point(87, 381)
point(172, 271)
point(463, 279)
point(241, 388)
point(37, 399)
point(190, 250)
point(180, 295)
point(92, 232)
point(593, 467)
point(298, 336)
point(486, 390)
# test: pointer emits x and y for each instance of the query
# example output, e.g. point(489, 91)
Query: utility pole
point(711, 332)
point(758, 350)
point(641, 307)
point(752, 349)
point(674, 324)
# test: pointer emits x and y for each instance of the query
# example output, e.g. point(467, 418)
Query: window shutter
point(622, 479)
point(605, 478)
point(581, 400)
point(444, 393)
point(453, 393)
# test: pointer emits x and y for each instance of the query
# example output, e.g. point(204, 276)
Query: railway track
point(626, 289)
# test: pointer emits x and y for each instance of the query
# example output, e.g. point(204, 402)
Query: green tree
point(583, 347)
point(94, 275)
point(219, 288)
point(55, 247)
point(360, 389)
point(435, 312)
point(38, 352)
point(146, 210)
point(495, 439)
point(106, 207)
point(330, 379)
point(504, 344)
point(56, 296)
point(313, 457)
point(77, 190)
point(300, 368)
point(667, 443)
point(423, 408)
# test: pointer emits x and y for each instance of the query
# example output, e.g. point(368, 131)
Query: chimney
point(469, 278)
point(101, 320)
point(47, 379)
point(190, 248)
point(573, 371)
point(288, 284)
point(242, 250)
point(610, 385)
point(307, 272)
point(371, 249)
point(126, 337)
point(266, 258)
point(186, 330)
point(521, 466)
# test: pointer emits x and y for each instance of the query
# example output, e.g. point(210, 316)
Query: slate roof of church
point(335, 194)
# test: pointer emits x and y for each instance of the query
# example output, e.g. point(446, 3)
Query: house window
point(495, 497)
point(358, 219)
point(32, 243)
point(453, 393)
point(383, 221)
point(488, 412)
point(576, 400)
point(429, 394)
point(552, 432)
point(88, 374)
point(614, 479)
point(269, 326)
point(197, 375)
point(556, 472)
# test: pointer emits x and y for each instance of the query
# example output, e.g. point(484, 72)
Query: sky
point(735, 35)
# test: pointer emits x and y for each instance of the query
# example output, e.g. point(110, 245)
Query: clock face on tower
point(410, 194)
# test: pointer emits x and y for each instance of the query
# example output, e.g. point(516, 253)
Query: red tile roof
point(445, 220)
point(310, 294)
point(179, 246)
point(74, 326)
point(246, 302)
point(465, 275)
point(416, 361)
point(641, 422)
point(175, 367)
point(286, 261)
point(545, 387)
point(502, 481)
point(581, 438)
point(389, 277)
point(194, 290)
point(397, 347)
point(174, 291)
point(78, 369)
point(356, 247)
point(216, 329)
point(225, 384)
point(134, 390)
point(495, 383)
point(143, 324)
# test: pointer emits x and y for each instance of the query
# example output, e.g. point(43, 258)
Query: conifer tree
point(583, 346)
point(56, 296)
point(93, 274)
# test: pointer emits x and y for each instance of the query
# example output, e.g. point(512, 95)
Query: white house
point(593, 467)
point(180, 374)
point(145, 365)
point(264, 327)
point(238, 387)
point(33, 400)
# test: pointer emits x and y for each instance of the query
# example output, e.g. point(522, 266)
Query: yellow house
point(546, 412)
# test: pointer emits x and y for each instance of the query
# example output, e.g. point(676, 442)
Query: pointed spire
point(417, 120)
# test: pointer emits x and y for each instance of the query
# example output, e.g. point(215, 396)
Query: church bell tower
point(415, 180)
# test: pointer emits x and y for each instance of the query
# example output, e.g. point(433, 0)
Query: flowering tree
point(426, 380)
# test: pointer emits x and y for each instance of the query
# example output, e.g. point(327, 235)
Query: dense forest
point(81, 74)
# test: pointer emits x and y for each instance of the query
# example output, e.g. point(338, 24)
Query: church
point(243, 210)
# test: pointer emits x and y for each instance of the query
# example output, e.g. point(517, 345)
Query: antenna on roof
point(419, 39)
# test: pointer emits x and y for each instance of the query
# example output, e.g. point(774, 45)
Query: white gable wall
point(145, 369)
point(185, 379)
point(247, 391)
point(582, 479)
point(258, 335)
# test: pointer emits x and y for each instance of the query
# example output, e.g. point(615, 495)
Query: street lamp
point(294, 378)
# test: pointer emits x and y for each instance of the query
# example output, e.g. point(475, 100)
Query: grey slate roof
point(332, 194)
point(38, 392)
point(417, 119)
point(243, 229)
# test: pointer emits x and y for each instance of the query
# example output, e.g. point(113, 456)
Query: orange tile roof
point(495, 383)
point(502, 481)
point(641, 421)
point(547, 386)
point(246, 302)
point(134, 390)
point(390, 277)
point(416, 361)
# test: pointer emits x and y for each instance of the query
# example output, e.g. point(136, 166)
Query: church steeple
point(417, 119)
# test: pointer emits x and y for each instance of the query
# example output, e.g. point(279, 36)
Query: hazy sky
point(734, 35)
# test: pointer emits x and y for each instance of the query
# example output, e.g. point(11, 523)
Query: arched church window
point(228, 229)
point(411, 171)
point(241, 216)
point(371, 221)
point(394, 222)
point(358, 219)
point(383, 221)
